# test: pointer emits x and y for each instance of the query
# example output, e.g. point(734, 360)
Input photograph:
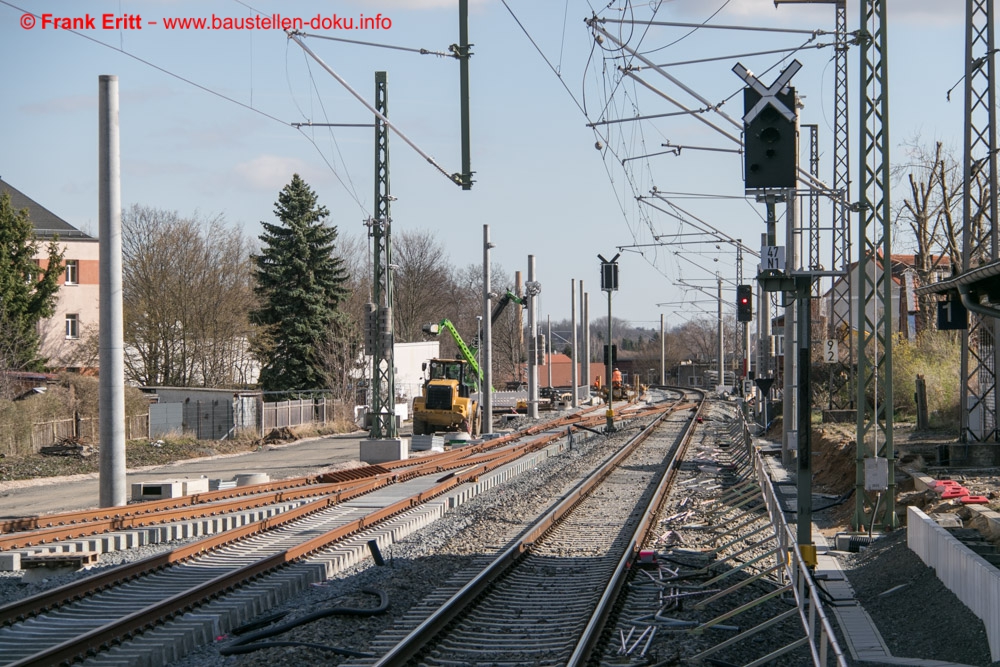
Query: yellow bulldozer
point(446, 403)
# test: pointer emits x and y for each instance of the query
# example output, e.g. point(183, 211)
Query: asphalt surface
point(64, 494)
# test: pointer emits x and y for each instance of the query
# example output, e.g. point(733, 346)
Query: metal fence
point(293, 413)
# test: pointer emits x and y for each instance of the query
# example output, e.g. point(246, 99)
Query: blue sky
point(540, 183)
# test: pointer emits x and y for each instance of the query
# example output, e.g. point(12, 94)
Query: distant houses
point(64, 335)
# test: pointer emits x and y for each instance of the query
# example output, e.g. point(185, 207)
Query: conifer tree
point(27, 292)
point(300, 282)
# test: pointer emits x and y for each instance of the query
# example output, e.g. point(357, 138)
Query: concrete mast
point(112, 333)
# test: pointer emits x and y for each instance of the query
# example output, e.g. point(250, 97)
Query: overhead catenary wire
point(336, 144)
point(155, 66)
point(750, 54)
point(454, 178)
point(542, 54)
point(803, 173)
point(715, 26)
point(350, 189)
point(424, 52)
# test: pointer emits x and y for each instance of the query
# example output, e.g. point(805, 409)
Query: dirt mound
point(834, 459)
point(279, 435)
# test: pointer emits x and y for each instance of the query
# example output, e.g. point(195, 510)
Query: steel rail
point(415, 641)
point(137, 621)
point(598, 619)
point(117, 518)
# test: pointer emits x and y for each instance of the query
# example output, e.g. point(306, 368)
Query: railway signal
point(744, 304)
point(770, 135)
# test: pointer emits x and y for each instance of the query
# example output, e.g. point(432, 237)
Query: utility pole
point(486, 344)
point(463, 52)
point(112, 343)
point(574, 379)
point(663, 354)
point(722, 349)
point(548, 348)
point(533, 341)
point(581, 358)
point(789, 415)
point(585, 358)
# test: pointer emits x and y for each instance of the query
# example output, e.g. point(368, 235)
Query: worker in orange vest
point(616, 378)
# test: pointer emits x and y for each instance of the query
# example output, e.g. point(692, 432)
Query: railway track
point(544, 600)
point(107, 608)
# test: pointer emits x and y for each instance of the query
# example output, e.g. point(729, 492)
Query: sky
point(205, 122)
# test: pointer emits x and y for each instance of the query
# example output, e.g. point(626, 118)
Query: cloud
point(60, 105)
point(269, 172)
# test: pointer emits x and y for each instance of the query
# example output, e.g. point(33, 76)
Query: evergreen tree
point(27, 292)
point(300, 283)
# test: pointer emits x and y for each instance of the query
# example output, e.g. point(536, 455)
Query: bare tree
point(933, 212)
point(186, 292)
point(467, 297)
point(422, 282)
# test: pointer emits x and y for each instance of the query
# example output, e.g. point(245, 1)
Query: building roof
point(47, 224)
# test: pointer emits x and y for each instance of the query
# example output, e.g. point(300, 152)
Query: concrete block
point(985, 521)
point(157, 490)
point(193, 486)
point(947, 520)
point(383, 451)
point(10, 561)
point(245, 479)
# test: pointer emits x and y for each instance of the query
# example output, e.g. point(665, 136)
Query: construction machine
point(446, 403)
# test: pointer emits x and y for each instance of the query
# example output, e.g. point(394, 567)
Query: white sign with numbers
point(830, 351)
point(772, 258)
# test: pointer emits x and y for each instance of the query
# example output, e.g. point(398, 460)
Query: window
point(72, 272)
point(72, 326)
point(33, 275)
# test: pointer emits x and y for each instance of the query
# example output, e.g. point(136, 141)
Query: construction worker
point(616, 378)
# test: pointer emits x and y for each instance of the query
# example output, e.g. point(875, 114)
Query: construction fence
point(218, 419)
point(205, 420)
point(49, 433)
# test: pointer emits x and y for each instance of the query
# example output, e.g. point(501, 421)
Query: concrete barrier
point(966, 574)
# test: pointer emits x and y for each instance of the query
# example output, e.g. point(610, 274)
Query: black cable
point(251, 642)
point(839, 501)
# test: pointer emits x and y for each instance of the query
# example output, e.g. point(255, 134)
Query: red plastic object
point(955, 492)
point(976, 500)
point(942, 485)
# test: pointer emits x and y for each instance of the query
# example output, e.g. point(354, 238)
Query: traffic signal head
point(770, 144)
point(744, 303)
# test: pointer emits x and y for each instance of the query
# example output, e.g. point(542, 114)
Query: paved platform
point(65, 494)
point(863, 640)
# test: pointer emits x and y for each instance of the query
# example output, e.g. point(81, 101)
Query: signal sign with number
point(830, 351)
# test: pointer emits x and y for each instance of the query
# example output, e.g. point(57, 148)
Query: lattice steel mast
point(875, 312)
point(841, 317)
point(979, 234)
point(383, 373)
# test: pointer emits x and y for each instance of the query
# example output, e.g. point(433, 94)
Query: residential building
point(64, 336)
point(905, 281)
